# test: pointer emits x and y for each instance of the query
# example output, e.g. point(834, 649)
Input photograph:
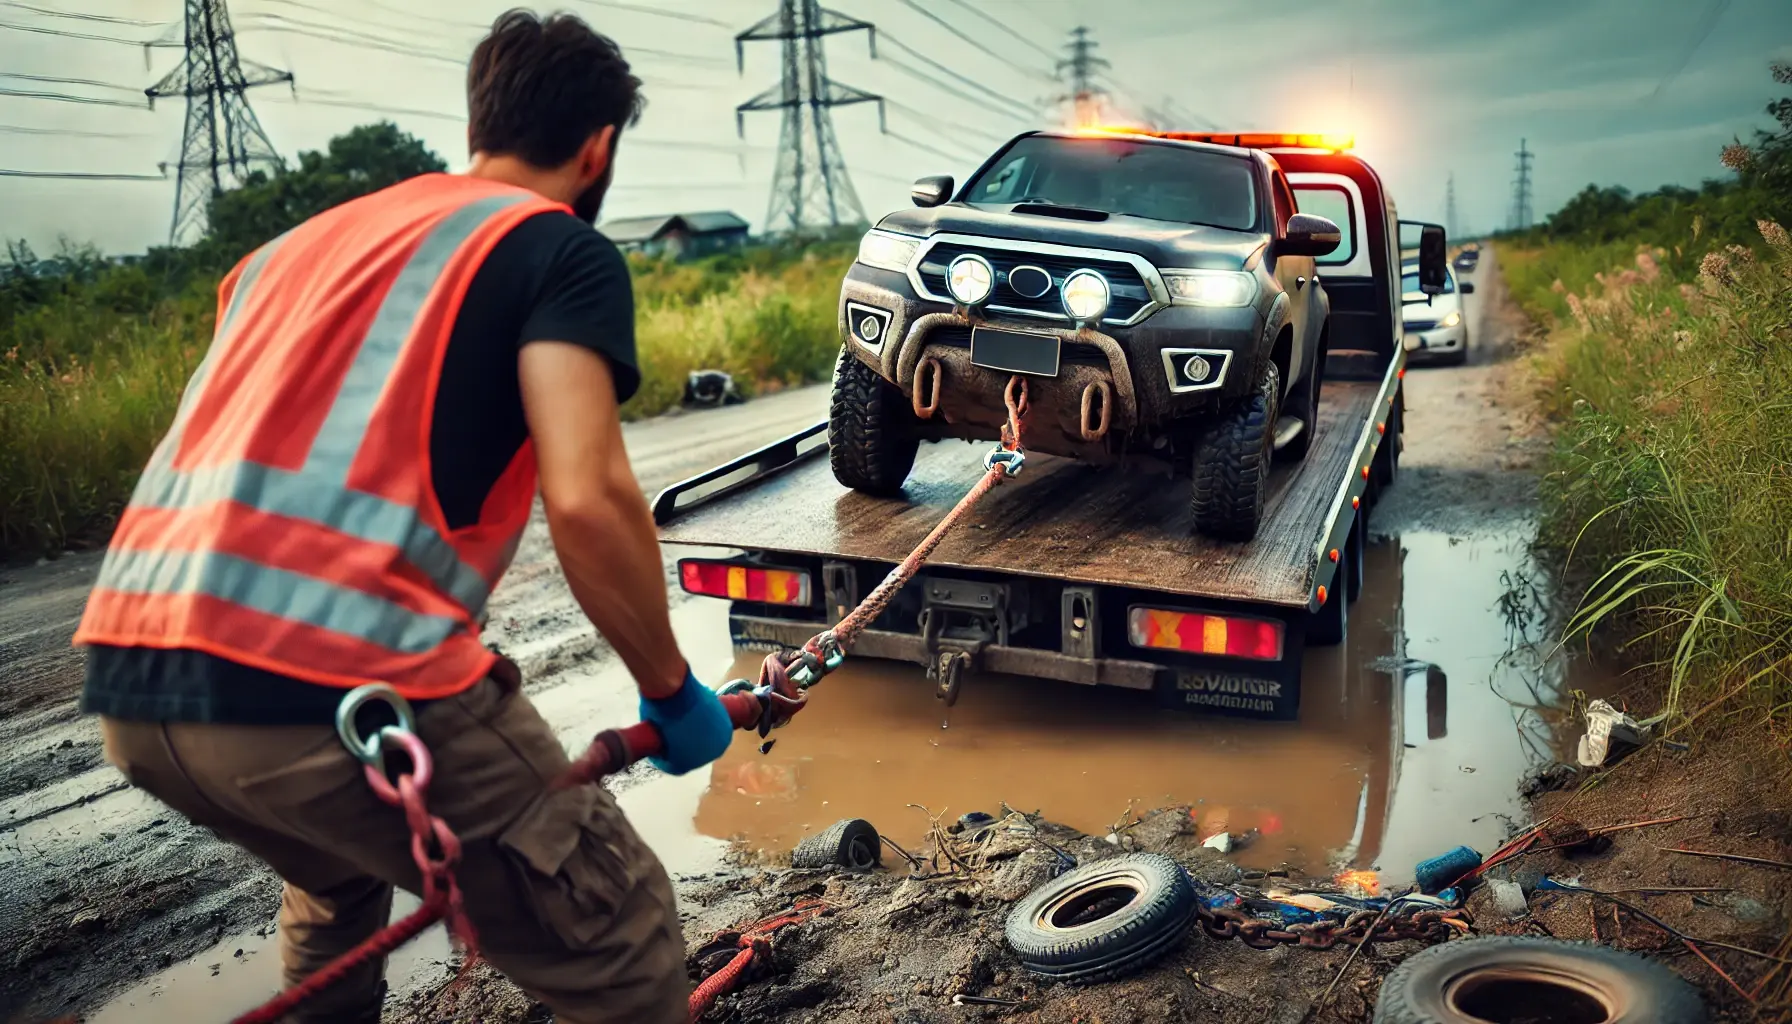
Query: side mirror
point(1465, 288)
point(931, 191)
point(1309, 234)
point(1433, 256)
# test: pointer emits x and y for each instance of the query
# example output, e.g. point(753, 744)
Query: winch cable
point(779, 694)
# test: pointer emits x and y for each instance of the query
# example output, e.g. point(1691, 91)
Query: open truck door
point(1430, 245)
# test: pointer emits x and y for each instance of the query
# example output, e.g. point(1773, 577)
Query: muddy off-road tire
point(871, 437)
point(1102, 920)
point(851, 844)
point(1232, 463)
point(1510, 978)
point(1305, 407)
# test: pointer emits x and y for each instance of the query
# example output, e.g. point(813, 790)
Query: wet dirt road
point(1412, 736)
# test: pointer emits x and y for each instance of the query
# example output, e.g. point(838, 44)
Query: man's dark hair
point(538, 89)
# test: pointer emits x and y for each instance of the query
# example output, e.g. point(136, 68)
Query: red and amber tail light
point(744, 582)
point(1229, 636)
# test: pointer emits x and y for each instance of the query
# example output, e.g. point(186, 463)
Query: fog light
point(1197, 369)
point(867, 324)
point(870, 329)
point(1085, 296)
point(970, 278)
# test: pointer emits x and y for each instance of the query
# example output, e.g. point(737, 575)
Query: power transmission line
point(66, 34)
point(62, 97)
point(80, 175)
point(918, 144)
point(53, 80)
point(222, 139)
point(932, 119)
point(981, 45)
point(659, 12)
point(19, 129)
point(1450, 204)
point(79, 16)
point(972, 82)
point(1005, 27)
point(921, 76)
point(811, 184)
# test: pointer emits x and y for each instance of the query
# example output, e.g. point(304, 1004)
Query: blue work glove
point(693, 723)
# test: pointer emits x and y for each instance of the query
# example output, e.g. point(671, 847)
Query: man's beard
point(590, 201)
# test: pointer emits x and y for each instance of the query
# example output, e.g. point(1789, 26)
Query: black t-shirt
point(552, 278)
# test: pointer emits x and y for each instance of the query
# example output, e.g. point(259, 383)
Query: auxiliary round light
point(870, 329)
point(1085, 295)
point(970, 278)
point(1197, 369)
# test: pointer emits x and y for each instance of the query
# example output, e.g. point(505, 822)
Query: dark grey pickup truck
point(1160, 297)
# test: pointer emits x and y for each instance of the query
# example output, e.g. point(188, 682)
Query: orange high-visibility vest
point(288, 520)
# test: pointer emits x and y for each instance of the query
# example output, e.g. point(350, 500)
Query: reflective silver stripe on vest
point(317, 493)
point(278, 592)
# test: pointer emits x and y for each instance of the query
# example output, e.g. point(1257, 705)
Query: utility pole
point(1450, 204)
point(811, 185)
point(1085, 97)
point(222, 140)
point(1521, 189)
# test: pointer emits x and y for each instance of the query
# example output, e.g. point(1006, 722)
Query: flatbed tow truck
point(1086, 574)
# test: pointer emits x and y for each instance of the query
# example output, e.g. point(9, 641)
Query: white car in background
point(1436, 325)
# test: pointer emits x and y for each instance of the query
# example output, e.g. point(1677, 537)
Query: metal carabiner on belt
point(371, 750)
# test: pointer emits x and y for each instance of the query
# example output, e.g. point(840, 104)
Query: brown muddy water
point(1413, 737)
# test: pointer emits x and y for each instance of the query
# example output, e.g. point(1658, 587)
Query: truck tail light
point(744, 582)
point(1226, 635)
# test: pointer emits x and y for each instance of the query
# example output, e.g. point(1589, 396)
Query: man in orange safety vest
point(347, 478)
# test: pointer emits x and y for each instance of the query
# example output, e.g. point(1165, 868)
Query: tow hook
point(947, 672)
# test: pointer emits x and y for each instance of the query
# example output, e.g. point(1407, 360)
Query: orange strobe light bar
point(1334, 142)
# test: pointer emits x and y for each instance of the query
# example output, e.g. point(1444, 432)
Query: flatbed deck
point(1059, 519)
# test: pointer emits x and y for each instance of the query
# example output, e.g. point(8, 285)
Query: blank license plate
point(1015, 351)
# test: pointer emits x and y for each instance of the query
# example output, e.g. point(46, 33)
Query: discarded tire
point(850, 844)
point(1513, 979)
point(1102, 920)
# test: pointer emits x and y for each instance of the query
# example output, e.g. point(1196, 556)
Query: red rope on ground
point(754, 941)
point(379, 945)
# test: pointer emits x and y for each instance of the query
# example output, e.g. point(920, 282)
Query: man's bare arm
point(600, 522)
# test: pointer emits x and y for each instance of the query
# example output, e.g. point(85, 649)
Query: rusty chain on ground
point(1431, 926)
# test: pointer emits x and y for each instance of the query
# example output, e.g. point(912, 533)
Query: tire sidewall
point(1638, 990)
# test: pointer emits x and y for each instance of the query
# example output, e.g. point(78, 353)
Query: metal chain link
point(1262, 933)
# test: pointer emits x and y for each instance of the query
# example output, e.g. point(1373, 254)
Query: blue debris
point(1445, 869)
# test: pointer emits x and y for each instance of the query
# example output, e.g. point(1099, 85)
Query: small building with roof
point(678, 235)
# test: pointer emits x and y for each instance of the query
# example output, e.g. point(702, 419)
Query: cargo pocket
point(577, 860)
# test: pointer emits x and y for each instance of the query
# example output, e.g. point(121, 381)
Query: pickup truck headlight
point(1211, 287)
point(1453, 319)
point(887, 250)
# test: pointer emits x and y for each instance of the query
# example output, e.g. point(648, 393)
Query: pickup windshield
point(1117, 176)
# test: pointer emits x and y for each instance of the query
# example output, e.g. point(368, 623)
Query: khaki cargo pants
point(567, 900)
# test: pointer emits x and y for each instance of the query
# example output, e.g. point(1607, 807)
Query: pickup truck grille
point(1420, 325)
point(1125, 285)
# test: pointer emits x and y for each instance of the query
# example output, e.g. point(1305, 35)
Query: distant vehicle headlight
point(970, 279)
point(1212, 287)
point(1085, 295)
point(1453, 319)
point(887, 250)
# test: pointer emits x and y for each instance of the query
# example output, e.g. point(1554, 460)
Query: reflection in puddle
point(1411, 738)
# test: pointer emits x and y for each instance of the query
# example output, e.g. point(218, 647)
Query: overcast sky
point(1630, 92)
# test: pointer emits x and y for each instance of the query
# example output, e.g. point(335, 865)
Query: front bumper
point(1437, 343)
point(905, 328)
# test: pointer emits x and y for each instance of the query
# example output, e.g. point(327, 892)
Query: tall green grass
point(1670, 485)
point(91, 368)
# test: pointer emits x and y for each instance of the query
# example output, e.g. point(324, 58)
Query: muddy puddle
point(1412, 736)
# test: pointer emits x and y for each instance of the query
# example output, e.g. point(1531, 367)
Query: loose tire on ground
point(1232, 463)
point(1102, 920)
point(1509, 978)
point(871, 436)
point(851, 844)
